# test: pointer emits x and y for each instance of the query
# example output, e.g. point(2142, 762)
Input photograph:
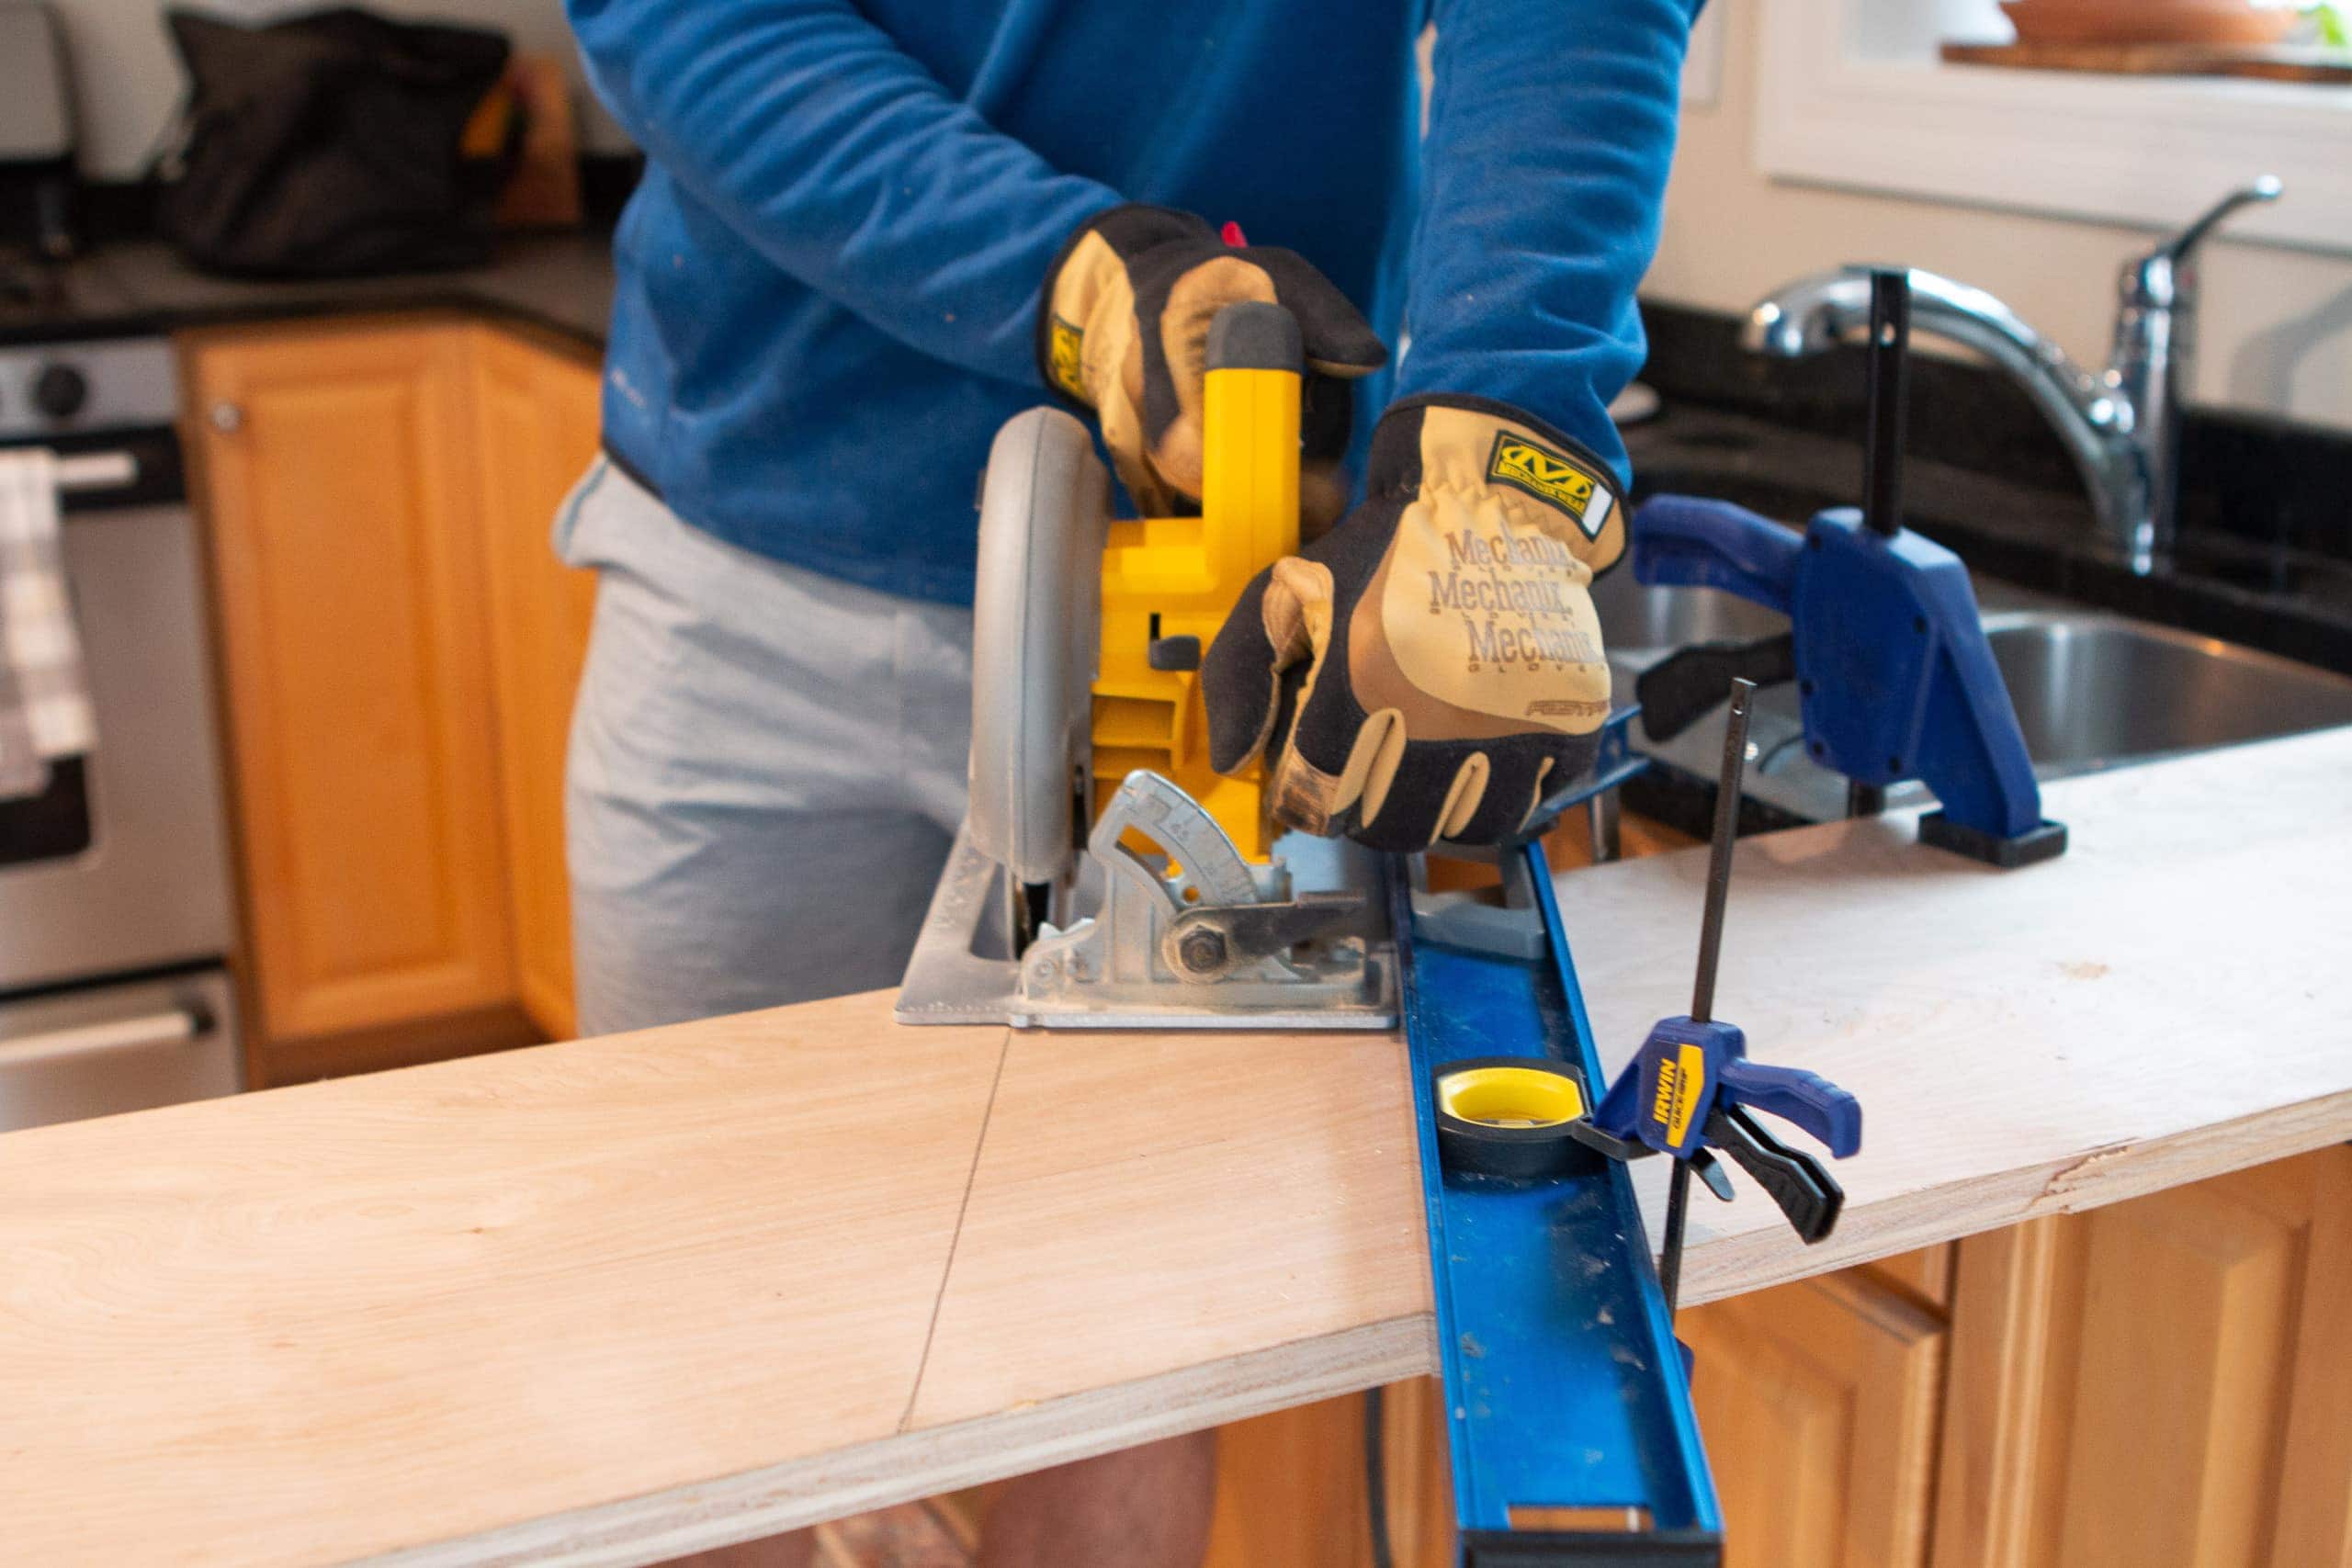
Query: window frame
point(2151, 151)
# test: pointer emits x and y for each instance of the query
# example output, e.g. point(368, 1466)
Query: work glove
point(1432, 668)
point(1125, 326)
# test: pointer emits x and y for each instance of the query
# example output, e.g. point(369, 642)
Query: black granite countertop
point(559, 282)
point(2022, 525)
point(2264, 555)
point(2225, 582)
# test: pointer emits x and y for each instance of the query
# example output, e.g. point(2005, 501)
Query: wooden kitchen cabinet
point(1818, 1401)
point(336, 465)
point(538, 419)
point(2164, 1381)
point(398, 648)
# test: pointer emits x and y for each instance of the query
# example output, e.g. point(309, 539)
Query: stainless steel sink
point(2093, 690)
point(2098, 689)
point(1651, 622)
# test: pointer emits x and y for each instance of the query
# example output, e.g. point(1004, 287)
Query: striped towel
point(45, 710)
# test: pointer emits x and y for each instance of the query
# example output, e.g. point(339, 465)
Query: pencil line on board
point(947, 1269)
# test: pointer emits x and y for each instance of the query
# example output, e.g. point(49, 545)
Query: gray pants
point(766, 769)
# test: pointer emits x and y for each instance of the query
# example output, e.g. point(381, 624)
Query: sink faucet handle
point(2266, 188)
point(2154, 280)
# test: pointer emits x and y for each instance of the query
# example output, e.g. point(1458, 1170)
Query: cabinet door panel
point(1818, 1404)
point(2182, 1330)
point(336, 468)
point(1290, 1489)
point(2164, 1381)
point(538, 424)
point(2314, 1499)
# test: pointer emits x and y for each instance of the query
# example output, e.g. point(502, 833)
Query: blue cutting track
point(1568, 1406)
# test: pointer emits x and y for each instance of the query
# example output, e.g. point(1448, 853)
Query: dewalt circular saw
point(1106, 875)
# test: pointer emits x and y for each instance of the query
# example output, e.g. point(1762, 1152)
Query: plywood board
point(2163, 1004)
point(1193, 1187)
point(351, 1317)
point(609, 1302)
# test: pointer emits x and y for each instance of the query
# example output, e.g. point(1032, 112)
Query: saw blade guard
point(1035, 630)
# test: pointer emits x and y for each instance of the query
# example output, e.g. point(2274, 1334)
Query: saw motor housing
point(1170, 578)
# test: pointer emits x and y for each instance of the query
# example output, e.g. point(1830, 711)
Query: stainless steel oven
point(116, 914)
point(121, 1045)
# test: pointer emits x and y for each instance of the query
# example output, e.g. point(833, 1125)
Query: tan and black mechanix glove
point(1124, 326)
point(1432, 668)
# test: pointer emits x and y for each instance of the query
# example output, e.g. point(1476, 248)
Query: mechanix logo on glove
point(1550, 476)
point(1066, 357)
point(1470, 680)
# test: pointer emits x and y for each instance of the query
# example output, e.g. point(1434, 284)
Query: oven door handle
point(176, 1026)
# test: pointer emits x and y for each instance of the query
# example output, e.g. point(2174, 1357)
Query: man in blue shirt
point(871, 232)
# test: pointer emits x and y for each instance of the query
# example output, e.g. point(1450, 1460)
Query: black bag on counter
point(328, 145)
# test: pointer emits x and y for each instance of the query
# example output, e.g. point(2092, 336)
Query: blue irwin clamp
point(1894, 677)
point(1691, 1088)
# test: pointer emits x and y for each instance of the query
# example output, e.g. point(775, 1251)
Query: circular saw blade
point(1035, 637)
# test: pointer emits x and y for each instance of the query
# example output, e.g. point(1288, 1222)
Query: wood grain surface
point(1188, 1185)
point(2160, 1005)
point(354, 1316)
point(612, 1300)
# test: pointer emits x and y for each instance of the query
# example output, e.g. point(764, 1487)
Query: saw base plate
point(963, 969)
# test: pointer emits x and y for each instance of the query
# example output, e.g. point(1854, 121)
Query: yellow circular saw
point(1105, 876)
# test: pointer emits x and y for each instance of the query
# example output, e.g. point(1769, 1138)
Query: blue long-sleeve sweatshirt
point(829, 277)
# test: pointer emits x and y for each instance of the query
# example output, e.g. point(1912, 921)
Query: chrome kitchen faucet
point(2121, 425)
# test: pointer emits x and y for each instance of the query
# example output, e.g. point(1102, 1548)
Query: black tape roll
point(1511, 1116)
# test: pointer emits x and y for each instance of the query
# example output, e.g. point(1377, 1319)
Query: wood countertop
point(612, 1300)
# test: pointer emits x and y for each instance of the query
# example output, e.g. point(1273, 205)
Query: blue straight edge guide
point(1568, 1410)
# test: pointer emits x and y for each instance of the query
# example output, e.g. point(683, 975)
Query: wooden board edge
point(663, 1524)
point(2199, 1153)
point(1727, 1265)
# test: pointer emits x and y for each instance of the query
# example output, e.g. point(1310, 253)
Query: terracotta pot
point(2148, 21)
